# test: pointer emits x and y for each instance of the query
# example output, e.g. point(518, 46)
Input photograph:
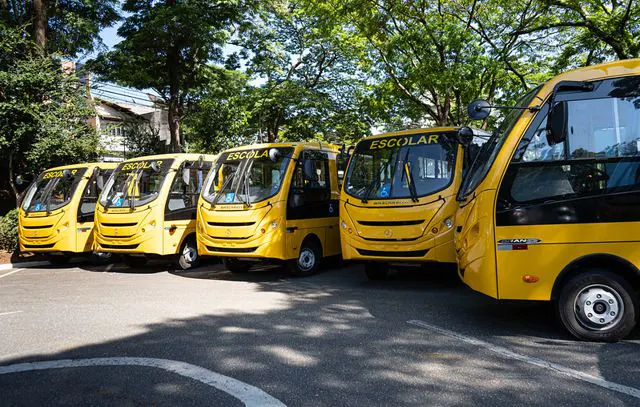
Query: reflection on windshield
point(52, 190)
point(135, 183)
point(391, 167)
point(491, 148)
point(247, 176)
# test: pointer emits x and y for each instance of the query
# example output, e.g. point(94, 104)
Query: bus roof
point(83, 165)
point(422, 131)
point(178, 156)
point(602, 71)
point(316, 144)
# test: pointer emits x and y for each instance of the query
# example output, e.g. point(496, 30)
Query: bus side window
point(185, 195)
point(600, 156)
point(311, 181)
point(90, 196)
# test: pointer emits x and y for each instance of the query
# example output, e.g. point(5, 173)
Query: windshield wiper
point(246, 179)
point(410, 181)
point(224, 186)
point(374, 181)
point(122, 191)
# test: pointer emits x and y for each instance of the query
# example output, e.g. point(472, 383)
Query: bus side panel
point(300, 229)
point(475, 244)
point(558, 246)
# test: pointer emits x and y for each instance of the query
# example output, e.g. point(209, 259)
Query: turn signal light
point(434, 230)
point(262, 230)
point(528, 278)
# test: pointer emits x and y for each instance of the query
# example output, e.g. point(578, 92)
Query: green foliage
point(167, 46)
point(9, 231)
point(140, 139)
point(43, 112)
point(73, 26)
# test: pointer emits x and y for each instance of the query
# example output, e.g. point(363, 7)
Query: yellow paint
point(433, 210)
point(244, 237)
point(145, 226)
point(60, 228)
point(499, 273)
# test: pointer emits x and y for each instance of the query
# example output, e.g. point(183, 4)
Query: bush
point(9, 231)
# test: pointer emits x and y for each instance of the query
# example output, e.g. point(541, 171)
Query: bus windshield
point(489, 151)
point(135, 183)
point(52, 190)
point(247, 176)
point(410, 166)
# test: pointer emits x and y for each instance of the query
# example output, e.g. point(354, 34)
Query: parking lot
point(113, 335)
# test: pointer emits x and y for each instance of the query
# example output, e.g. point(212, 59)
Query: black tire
point(236, 266)
point(598, 305)
point(134, 261)
point(58, 259)
point(188, 258)
point(101, 258)
point(376, 271)
point(308, 261)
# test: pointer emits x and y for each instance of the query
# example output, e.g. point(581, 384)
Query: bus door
point(310, 207)
point(180, 209)
point(559, 202)
point(87, 209)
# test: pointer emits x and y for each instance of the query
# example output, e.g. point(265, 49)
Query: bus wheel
point(236, 266)
point(134, 261)
point(376, 271)
point(308, 260)
point(100, 258)
point(188, 257)
point(598, 305)
point(58, 259)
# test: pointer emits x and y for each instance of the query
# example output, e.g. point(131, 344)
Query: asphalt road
point(112, 335)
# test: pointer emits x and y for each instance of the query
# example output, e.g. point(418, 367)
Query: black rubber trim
point(232, 249)
point(39, 246)
point(37, 227)
point(122, 247)
point(116, 225)
point(391, 222)
point(230, 224)
point(380, 253)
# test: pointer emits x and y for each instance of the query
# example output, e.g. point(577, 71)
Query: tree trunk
point(174, 126)
point(12, 180)
point(39, 8)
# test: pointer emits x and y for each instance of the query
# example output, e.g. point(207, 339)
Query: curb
point(26, 264)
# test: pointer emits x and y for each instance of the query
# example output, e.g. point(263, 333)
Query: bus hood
point(392, 223)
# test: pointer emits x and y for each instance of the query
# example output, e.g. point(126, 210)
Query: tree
point(43, 111)
point(309, 83)
point(600, 29)
point(62, 26)
point(168, 46)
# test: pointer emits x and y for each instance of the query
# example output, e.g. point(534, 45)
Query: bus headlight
point(274, 225)
point(448, 223)
point(343, 224)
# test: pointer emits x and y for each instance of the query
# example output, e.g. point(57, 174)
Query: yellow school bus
point(271, 202)
point(148, 208)
point(549, 210)
point(398, 202)
point(56, 215)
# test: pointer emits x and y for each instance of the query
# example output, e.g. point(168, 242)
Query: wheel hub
point(190, 254)
point(307, 259)
point(599, 307)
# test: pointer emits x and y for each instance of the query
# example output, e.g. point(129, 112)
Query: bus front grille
point(391, 222)
point(380, 253)
point(118, 225)
point(39, 246)
point(232, 249)
point(119, 246)
point(230, 224)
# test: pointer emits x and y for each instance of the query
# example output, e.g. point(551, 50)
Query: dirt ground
point(6, 257)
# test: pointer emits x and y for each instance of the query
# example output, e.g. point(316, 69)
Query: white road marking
point(9, 313)
point(575, 374)
point(249, 395)
point(11, 272)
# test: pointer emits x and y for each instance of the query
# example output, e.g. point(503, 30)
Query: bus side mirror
point(479, 109)
point(186, 175)
point(557, 123)
point(66, 174)
point(155, 166)
point(97, 172)
point(464, 136)
point(20, 180)
point(274, 154)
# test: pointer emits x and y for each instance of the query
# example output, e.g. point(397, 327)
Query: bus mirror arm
point(481, 109)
